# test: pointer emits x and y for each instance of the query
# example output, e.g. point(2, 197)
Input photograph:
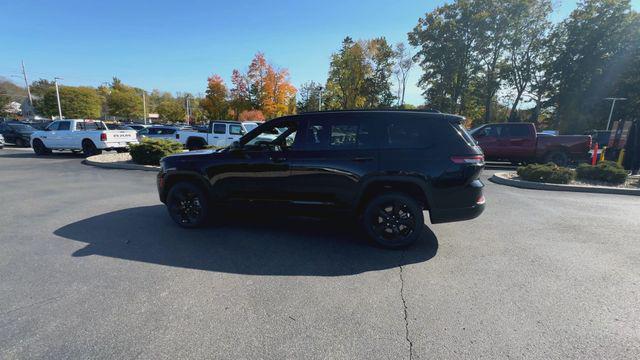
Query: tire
point(89, 148)
point(558, 157)
point(39, 148)
point(393, 220)
point(188, 205)
point(195, 145)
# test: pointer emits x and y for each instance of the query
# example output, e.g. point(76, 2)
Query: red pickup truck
point(520, 143)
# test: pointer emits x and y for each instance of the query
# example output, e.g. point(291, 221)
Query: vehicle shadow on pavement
point(261, 246)
point(32, 155)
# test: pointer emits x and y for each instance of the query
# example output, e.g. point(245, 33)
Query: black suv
point(384, 167)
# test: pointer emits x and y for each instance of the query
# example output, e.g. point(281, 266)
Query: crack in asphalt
point(404, 306)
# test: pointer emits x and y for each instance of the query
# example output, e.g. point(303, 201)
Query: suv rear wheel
point(188, 205)
point(393, 220)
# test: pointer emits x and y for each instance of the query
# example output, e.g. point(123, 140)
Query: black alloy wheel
point(188, 205)
point(394, 220)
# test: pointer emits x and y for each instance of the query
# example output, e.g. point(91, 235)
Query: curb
point(122, 166)
point(500, 178)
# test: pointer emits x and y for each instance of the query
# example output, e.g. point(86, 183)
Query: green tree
point(377, 87)
point(347, 73)
point(598, 43)
point(76, 102)
point(525, 47)
point(171, 110)
point(445, 39)
point(309, 97)
point(125, 102)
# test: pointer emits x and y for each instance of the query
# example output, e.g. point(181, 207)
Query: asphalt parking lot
point(92, 267)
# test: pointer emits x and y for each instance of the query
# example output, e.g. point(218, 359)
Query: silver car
point(1, 141)
point(158, 132)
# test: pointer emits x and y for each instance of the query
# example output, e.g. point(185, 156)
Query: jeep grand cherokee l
point(385, 167)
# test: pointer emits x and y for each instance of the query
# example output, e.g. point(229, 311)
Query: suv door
point(339, 151)
point(258, 170)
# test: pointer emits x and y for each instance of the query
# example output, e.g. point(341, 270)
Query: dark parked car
point(384, 167)
point(520, 143)
point(16, 133)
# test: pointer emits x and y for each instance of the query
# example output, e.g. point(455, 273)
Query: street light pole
point(26, 83)
point(144, 108)
point(613, 104)
point(58, 96)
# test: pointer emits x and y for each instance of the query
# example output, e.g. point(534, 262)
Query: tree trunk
point(512, 114)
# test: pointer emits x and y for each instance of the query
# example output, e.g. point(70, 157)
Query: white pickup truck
point(219, 133)
point(89, 136)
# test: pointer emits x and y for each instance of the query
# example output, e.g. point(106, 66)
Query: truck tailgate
point(121, 135)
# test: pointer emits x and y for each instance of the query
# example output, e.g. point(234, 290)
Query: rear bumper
point(457, 214)
point(116, 144)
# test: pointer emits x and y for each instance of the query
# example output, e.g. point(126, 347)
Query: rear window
point(91, 125)
point(464, 133)
point(518, 130)
point(407, 133)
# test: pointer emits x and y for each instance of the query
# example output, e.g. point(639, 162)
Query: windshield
point(250, 127)
point(22, 127)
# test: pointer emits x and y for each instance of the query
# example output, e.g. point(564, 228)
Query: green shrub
point(150, 151)
point(605, 171)
point(547, 173)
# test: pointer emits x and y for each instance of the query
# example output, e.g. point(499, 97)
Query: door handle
point(362, 159)
point(278, 159)
point(229, 138)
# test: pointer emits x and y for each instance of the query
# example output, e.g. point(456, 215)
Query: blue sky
point(175, 45)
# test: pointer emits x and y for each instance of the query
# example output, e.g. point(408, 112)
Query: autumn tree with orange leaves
point(214, 104)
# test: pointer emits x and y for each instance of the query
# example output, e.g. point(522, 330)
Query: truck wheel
point(393, 220)
point(89, 148)
point(39, 148)
point(195, 145)
point(188, 205)
point(557, 157)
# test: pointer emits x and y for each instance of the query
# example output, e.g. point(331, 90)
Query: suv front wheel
point(188, 205)
point(393, 220)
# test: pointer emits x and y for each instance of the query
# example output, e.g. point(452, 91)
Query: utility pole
point(144, 108)
point(58, 96)
point(188, 111)
point(26, 83)
point(613, 104)
point(320, 98)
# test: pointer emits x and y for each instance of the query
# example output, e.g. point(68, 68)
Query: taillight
point(590, 142)
point(471, 160)
point(481, 200)
point(103, 137)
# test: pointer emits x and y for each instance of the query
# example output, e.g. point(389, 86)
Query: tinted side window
point(407, 133)
point(53, 126)
point(519, 131)
point(235, 129)
point(339, 134)
point(64, 125)
point(219, 128)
